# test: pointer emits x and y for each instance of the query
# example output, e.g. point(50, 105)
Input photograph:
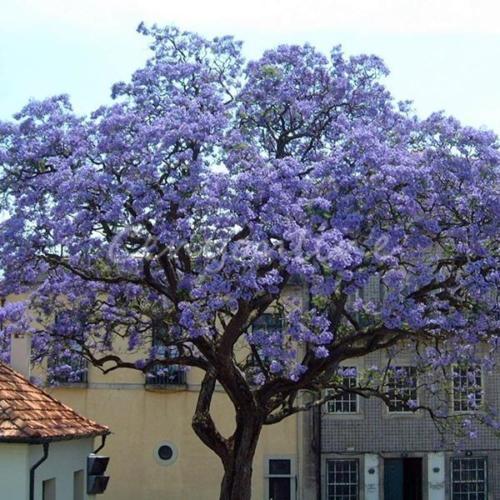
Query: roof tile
point(29, 414)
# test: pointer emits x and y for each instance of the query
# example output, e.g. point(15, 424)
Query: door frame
point(402, 456)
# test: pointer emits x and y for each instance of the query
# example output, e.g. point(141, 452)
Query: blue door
point(403, 478)
point(393, 479)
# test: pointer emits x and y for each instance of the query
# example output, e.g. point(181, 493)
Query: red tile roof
point(28, 414)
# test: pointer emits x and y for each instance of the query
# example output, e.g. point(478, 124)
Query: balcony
point(166, 378)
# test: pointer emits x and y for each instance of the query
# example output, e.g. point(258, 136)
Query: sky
point(443, 54)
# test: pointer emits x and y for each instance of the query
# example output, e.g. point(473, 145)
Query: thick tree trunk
point(237, 481)
point(236, 452)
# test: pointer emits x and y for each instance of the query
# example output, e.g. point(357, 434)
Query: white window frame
point(452, 392)
point(358, 475)
point(292, 476)
point(329, 404)
point(485, 461)
point(409, 411)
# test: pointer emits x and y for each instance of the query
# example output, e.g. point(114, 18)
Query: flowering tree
point(211, 184)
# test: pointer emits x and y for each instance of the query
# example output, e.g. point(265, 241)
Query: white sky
point(443, 54)
point(395, 16)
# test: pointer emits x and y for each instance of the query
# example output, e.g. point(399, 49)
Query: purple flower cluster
point(211, 185)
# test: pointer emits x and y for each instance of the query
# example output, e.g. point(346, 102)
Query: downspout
point(103, 442)
point(34, 467)
point(319, 447)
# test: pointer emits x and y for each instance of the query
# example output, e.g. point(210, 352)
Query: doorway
point(403, 478)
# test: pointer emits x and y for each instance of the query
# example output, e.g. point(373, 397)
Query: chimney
point(20, 353)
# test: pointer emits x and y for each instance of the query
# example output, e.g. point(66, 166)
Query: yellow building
point(143, 417)
point(154, 452)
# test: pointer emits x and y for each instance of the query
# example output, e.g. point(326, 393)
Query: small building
point(44, 444)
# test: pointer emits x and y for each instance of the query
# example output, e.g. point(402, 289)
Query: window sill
point(68, 385)
point(458, 413)
point(403, 414)
point(165, 387)
point(343, 416)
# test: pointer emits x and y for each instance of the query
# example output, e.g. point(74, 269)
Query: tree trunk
point(237, 452)
point(237, 481)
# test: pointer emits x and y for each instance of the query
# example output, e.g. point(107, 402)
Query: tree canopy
point(211, 184)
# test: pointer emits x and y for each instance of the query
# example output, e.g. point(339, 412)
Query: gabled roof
point(29, 415)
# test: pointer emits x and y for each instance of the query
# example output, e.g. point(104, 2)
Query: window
point(268, 322)
point(78, 484)
point(467, 388)
point(372, 291)
point(402, 388)
point(342, 478)
point(49, 489)
point(65, 364)
point(469, 479)
point(164, 375)
point(280, 479)
point(166, 453)
point(345, 402)
point(269, 326)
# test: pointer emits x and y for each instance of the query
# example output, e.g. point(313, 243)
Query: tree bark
point(237, 480)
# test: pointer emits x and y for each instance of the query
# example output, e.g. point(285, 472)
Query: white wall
point(435, 473)
point(14, 471)
point(65, 458)
point(371, 476)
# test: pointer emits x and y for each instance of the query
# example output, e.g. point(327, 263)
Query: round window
point(166, 453)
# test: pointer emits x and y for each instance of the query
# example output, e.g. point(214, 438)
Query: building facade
point(353, 448)
point(367, 450)
point(154, 451)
